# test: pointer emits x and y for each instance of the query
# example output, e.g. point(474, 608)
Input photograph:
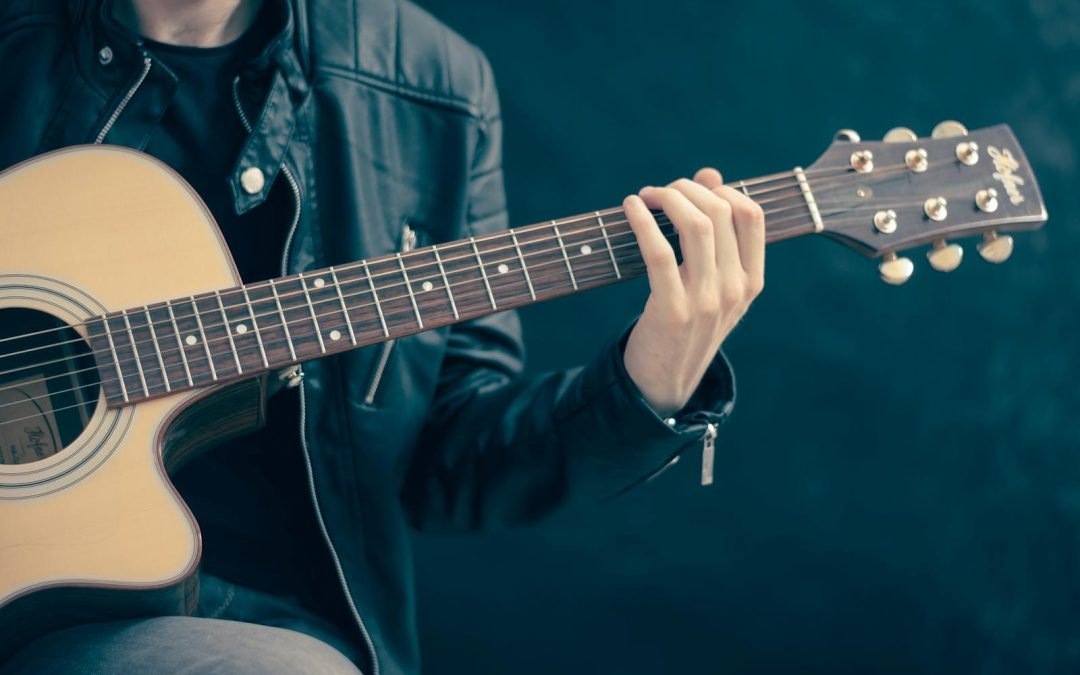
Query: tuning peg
point(900, 135)
point(995, 248)
point(986, 200)
point(849, 135)
point(949, 129)
point(945, 257)
point(894, 270)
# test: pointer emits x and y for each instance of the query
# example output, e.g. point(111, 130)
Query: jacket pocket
point(408, 243)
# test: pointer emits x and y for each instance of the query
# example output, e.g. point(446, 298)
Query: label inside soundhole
point(48, 386)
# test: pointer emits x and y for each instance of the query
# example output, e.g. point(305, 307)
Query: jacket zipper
point(299, 379)
point(708, 454)
point(147, 63)
point(408, 243)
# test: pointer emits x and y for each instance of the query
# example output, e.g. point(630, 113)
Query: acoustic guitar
point(128, 343)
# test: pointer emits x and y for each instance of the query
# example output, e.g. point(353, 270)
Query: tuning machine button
point(900, 135)
point(936, 208)
point(885, 221)
point(848, 135)
point(949, 129)
point(895, 270)
point(862, 161)
point(986, 200)
point(995, 248)
point(945, 257)
point(968, 153)
point(916, 160)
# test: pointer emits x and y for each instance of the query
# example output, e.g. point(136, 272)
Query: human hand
point(692, 307)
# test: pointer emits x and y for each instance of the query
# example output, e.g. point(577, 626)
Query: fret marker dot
point(503, 268)
point(427, 285)
point(586, 249)
point(241, 328)
point(335, 335)
point(319, 283)
point(191, 340)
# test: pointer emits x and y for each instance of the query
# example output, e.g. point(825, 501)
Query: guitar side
point(97, 530)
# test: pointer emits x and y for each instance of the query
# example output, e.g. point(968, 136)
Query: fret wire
point(255, 327)
point(205, 341)
point(284, 320)
point(179, 343)
point(558, 236)
point(607, 242)
point(157, 347)
point(630, 248)
point(344, 306)
point(375, 297)
point(562, 247)
point(446, 282)
point(135, 349)
point(311, 307)
point(229, 333)
point(483, 272)
point(116, 359)
point(781, 177)
point(408, 287)
point(524, 267)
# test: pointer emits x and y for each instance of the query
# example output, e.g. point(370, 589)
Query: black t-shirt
point(250, 496)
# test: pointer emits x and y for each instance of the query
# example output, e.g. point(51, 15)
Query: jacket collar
point(112, 58)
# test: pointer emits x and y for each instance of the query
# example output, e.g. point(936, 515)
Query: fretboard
point(241, 332)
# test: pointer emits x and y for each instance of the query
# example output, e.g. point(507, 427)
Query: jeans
point(236, 630)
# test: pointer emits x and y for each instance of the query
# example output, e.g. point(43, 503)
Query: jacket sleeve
point(503, 448)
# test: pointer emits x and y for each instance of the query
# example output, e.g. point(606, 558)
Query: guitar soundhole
point(48, 385)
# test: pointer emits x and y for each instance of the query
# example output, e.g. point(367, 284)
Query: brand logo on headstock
point(1005, 166)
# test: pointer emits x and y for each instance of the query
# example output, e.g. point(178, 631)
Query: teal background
point(899, 487)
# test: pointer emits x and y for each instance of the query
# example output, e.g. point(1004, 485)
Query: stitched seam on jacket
point(462, 106)
point(225, 602)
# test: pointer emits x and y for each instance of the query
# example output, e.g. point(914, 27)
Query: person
point(320, 132)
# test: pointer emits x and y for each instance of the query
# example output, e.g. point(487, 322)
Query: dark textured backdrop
point(899, 489)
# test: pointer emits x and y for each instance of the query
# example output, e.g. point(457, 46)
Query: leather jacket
point(376, 116)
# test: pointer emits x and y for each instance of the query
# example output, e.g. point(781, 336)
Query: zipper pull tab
point(708, 454)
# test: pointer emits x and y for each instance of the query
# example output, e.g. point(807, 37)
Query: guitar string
point(213, 323)
point(153, 324)
point(253, 349)
point(390, 259)
point(229, 293)
point(781, 176)
point(246, 350)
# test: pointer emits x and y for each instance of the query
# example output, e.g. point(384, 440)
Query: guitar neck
point(241, 332)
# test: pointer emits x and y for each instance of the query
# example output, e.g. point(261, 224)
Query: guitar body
point(91, 527)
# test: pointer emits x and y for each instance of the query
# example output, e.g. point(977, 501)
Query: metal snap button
point(252, 180)
point(105, 55)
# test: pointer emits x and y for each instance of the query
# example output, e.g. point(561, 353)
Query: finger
point(696, 237)
point(726, 249)
point(660, 263)
point(749, 223)
point(709, 177)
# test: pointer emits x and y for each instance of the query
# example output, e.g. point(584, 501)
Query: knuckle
point(658, 256)
point(680, 316)
point(681, 184)
point(721, 210)
point(701, 223)
point(755, 285)
point(733, 293)
point(709, 304)
point(757, 214)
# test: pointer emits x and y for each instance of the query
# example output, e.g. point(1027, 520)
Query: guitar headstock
point(882, 197)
